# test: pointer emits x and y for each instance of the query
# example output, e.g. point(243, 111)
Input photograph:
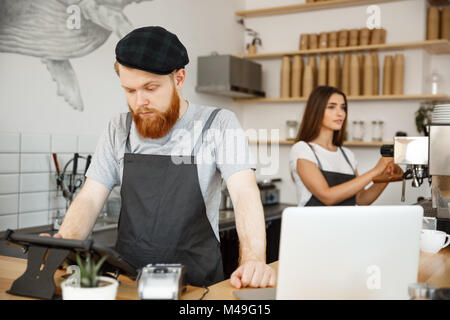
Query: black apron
point(333, 179)
point(163, 216)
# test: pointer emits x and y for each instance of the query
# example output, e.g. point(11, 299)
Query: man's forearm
point(79, 219)
point(250, 225)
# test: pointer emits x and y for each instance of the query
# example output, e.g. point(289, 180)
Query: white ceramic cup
point(433, 240)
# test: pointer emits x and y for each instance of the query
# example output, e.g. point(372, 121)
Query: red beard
point(159, 124)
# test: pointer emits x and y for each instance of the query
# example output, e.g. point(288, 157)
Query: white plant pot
point(107, 292)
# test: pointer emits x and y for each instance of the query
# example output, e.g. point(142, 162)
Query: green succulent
point(89, 271)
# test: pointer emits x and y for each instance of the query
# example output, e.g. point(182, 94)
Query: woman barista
point(325, 172)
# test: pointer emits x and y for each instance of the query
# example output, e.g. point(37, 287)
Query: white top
point(331, 161)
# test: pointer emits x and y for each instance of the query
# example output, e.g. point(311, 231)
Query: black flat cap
point(152, 49)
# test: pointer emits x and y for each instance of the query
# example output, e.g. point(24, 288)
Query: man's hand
point(56, 235)
point(250, 226)
point(254, 274)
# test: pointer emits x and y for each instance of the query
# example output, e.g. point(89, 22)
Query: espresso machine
point(427, 160)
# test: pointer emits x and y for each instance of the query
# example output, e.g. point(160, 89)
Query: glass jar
point(420, 291)
point(377, 130)
point(358, 131)
point(434, 83)
point(291, 129)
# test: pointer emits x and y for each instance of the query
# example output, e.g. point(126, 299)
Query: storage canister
point(364, 36)
point(313, 41)
point(354, 75)
point(332, 39)
point(353, 37)
point(285, 77)
point(322, 73)
point(445, 23)
point(343, 38)
point(333, 71)
point(323, 40)
point(368, 75)
point(398, 73)
point(308, 81)
point(387, 75)
point(345, 74)
point(433, 23)
point(296, 74)
point(376, 73)
point(304, 41)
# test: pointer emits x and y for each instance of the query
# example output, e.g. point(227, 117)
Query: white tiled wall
point(9, 183)
point(9, 203)
point(9, 163)
point(28, 190)
point(9, 142)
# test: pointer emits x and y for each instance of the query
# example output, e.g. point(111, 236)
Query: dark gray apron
point(333, 179)
point(163, 216)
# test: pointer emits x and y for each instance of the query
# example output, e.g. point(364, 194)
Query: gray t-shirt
point(223, 151)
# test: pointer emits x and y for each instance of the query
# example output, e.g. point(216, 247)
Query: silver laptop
point(360, 252)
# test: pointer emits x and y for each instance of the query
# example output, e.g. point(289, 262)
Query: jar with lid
point(377, 130)
point(358, 130)
point(291, 129)
point(420, 291)
point(434, 83)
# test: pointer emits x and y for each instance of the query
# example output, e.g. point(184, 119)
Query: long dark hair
point(313, 115)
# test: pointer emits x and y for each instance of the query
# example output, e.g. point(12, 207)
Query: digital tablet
point(114, 262)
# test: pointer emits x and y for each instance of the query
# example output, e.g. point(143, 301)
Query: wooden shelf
point(439, 2)
point(427, 97)
point(280, 142)
point(441, 46)
point(346, 143)
point(365, 143)
point(304, 7)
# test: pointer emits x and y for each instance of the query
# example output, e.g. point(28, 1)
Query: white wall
point(404, 21)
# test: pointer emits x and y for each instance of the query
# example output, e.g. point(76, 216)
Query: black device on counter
point(441, 294)
point(45, 256)
point(270, 194)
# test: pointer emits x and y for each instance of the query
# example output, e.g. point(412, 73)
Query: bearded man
point(170, 209)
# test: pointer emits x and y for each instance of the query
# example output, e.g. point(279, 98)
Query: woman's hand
point(385, 163)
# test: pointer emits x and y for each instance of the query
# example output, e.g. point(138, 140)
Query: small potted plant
point(87, 284)
point(423, 118)
point(256, 40)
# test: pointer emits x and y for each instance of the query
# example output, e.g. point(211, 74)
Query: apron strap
point(205, 128)
point(128, 128)
point(317, 158)
point(348, 161)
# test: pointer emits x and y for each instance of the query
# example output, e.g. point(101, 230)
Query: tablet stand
point(45, 255)
point(38, 279)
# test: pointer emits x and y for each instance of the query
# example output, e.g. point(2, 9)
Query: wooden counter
point(433, 269)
